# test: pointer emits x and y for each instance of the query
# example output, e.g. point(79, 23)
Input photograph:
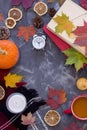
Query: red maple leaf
point(73, 126)
point(26, 3)
point(81, 33)
point(83, 3)
point(80, 30)
point(56, 97)
point(26, 32)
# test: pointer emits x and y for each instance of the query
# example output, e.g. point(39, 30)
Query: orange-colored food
point(15, 13)
point(9, 54)
point(2, 92)
point(52, 118)
point(40, 8)
point(10, 23)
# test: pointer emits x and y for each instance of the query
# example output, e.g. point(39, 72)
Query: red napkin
point(60, 43)
point(4, 119)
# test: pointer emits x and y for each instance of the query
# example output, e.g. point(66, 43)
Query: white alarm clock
point(39, 41)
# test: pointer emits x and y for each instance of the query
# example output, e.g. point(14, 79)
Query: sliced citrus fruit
point(52, 117)
point(81, 83)
point(2, 92)
point(40, 8)
point(10, 22)
point(15, 13)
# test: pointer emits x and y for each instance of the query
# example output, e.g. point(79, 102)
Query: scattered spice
point(51, 12)
point(38, 22)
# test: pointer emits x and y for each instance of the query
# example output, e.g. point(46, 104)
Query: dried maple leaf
point(81, 35)
point(73, 126)
point(56, 97)
point(26, 32)
point(1, 17)
point(27, 120)
point(73, 57)
point(63, 24)
point(12, 79)
point(83, 3)
point(26, 3)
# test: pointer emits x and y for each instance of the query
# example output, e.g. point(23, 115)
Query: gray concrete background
point(45, 68)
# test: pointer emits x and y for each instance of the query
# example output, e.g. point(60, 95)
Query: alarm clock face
point(38, 42)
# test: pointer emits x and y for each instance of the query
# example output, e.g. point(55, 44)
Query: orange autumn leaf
point(56, 97)
point(26, 32)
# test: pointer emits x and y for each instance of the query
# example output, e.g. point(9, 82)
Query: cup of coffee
point(78, 107)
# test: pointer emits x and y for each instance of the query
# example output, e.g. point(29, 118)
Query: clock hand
point(38, 42)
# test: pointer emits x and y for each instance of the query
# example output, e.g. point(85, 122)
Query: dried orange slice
point(2, 92)
point(15, 13)
point(40, 8)
point(81, 83)
point(10, 22)
point(52, 117)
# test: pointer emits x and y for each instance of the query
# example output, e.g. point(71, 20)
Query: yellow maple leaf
point(12, 79)
point(63, 24)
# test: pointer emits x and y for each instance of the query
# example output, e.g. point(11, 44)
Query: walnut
point(51, 12)
point(38, 22)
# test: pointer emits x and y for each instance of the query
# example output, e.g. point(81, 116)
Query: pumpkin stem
point(3, 52)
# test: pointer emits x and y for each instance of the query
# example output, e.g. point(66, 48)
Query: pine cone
point(38, 22)
point(51, 12)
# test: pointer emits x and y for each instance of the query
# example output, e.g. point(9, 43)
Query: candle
point(16, 103)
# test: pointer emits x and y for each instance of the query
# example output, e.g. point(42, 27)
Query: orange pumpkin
point(9, 54)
